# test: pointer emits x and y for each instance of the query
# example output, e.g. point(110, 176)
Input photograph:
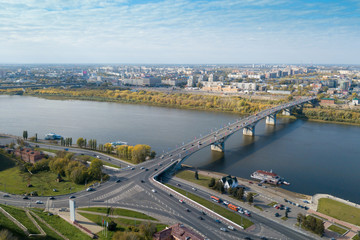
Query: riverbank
point(245, 182)
point(190, 101)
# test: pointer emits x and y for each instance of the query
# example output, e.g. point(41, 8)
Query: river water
point(313, 157)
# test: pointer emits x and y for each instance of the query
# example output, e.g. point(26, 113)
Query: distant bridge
point(217, 139)
point(41, 85)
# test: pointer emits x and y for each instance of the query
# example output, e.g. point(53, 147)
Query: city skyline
point(193, 32)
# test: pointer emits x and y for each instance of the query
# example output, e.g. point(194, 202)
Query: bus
point(215, 199)
point(233, 207)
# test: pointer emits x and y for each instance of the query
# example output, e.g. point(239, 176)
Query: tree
point(196, 175)
point(240, 193)
point(148, 230)
point(80, 142)
point(250, 197)
point(108, 147)
point(25, 134)
point(112, 226)
point(95, 169)
point(212, 182)
point(36, 137)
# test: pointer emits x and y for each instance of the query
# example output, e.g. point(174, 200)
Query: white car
point(223, 229)
point(153, 190)
point(194, 189)
point(231, 227)
point(39, 202)
point(89, 189)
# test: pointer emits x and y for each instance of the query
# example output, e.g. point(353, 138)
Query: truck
point(233, 207)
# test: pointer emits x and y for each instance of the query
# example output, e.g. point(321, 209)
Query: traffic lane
point(192, 216)
point(254, 217)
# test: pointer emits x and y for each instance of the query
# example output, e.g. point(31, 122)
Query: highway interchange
point(138, 190)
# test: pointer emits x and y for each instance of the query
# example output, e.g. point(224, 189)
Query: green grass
point(119, 212)
point(339, 211)
point(43, 183)
point(123, 224)
point(190, 176)
point(337, 229)
point(258, 207)
point(62, 226)
point(50, 235)
point(272, 204)
point(231, 215)
point(20, 215)
point(356, 237)
point(6, 163)
point(12, 227)
point(47, 150)
point(284, 218)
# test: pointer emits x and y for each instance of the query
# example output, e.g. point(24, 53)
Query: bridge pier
point(287, 112)
point(249, 130)
point(271, 119)
point(218, 146)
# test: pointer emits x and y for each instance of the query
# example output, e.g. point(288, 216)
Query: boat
point(268, 177)
point(52, 136)
point(118, 143)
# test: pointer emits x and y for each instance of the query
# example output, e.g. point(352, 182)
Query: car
point(277, 215)
point(141, 168)
point(251, 182)
point(217, 220)
point(162, 156)
point(109, 159)
point(146, 169)
point(117, 181)
point(89, 189)
point(181, 201)
point(155, 169)
point(72, 196)
point(170, 195)
point(263, 238)
point(200, 217)
point(184, 149)
point(55, 190)
point(277, 207)
point(223, 229)
point(98, 157)
point(153, 190)
point(51, 198)
point(203, 213)
point(160, 164)
point(39, 202)
point(259, 184)
point(264, 186)
point(171, 160)
point(194, 189)
point(231, 228)
point(81, 154)
point(132, 168)
point(306, 208)
point(142, 181)
point(178, 185)
point(26, 197)
point(95, 155)
point(6, 195)
point(225, 203)
point(170, 155)
point(247, 238)
point(188, 210)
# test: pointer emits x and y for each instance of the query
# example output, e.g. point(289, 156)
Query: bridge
point(218, 138)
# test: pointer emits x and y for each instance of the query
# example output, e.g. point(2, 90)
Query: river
point(313, 157)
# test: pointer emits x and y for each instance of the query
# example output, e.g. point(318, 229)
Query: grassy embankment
point(123, 224)
point(337, 229)
point(119, 212)
point(13, 181)
point(231, 215)
point(339, 211)
point(20, 215)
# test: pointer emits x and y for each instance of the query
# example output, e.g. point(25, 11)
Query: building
point(246, 86)
point(177, 232)
point(190, 81)
point(152, 81)
point(327, 101)
point(229, 182)
point(29, 155)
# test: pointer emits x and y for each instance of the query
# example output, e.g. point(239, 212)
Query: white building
point(229, 181)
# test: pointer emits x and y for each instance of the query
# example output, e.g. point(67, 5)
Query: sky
point(180, 32)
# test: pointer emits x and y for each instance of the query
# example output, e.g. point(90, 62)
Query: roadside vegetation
point(311, 224)
point(232, 216)
point(122, 228)
point(339, 211)
point(118, 212)
point(20, 215)
point(337, 229)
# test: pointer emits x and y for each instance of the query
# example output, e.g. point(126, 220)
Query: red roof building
point(29, 155)
point(177, 232)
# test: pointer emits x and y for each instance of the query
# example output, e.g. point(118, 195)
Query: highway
point(138, 190)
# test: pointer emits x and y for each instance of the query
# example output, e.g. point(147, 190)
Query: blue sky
point(183, 31)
